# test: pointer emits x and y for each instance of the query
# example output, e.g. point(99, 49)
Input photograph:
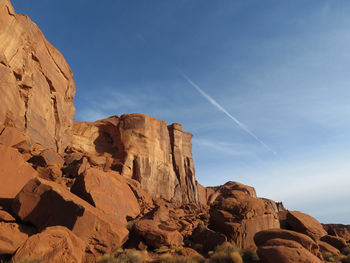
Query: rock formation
point(73, 191)
point(145, 149)
point(36, 83)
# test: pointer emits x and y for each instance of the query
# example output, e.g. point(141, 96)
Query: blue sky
point(281, 68)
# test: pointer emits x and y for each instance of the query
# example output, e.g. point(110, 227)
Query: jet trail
point(219, 107)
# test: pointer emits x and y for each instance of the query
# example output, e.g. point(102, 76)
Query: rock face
point(144, 149)
point(284, 246)
point(14, 172)
point(305, 224)
point(54, 244)
point(44, 204)
point(238, 214)
point(36, 84)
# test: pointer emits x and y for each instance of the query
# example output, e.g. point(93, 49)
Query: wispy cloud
point(220, 108)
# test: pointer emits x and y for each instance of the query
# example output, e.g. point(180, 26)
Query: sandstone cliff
point(145, 149)
point(36, 84)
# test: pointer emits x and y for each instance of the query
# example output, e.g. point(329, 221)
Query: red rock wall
point(36, 84)
point(145, 149)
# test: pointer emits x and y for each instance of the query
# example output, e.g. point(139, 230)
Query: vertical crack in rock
point(57, 121)
point(24, 91)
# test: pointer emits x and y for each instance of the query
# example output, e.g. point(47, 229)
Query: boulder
point(285, 251)
point(36, 83)
point(14, 172)
point(154, 228)
point(11, 136)
point(107, 191)
point(284, 246)
point(238, 214)
point(209, 239)
point(54, 244)
point(261, 238)
point(144, 149)
point(340, 230)
point(12, 236)
point(325, 247)
point(305, 224)
point(334, 241)
point(44, 204)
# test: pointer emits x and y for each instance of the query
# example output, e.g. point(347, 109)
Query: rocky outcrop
point(305, 224)
point(339, 230)
point(334, 241)
point(144, 149)
point(237, 213)
point(44, 204)
point(284, 246)
point(54, 244)
point(36, 84)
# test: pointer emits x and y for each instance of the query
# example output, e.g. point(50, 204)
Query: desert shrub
point(167, 258)
point(346, 250)
point(250, 255)
point(226, 253)
point(198, 248)
point(221, 257)
point(328, 257)
point(132, 256)
point(162, 249)
point(345, 259)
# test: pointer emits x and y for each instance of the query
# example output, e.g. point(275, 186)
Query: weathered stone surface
point(285, 251)
point(11, 136)
point(54, 244)
point(209, 239)
point(262, 237)
point(154, 228)
point(340, 230)
point(305, 224)
point(44, 203)
point(12, 236)
point(108, 191)
point(6, 217)
point(336, 242)
point(36, 83)
point(14, 172)
point(238, 214)
point(325, 247)
point(146, 150)
point(284, 246)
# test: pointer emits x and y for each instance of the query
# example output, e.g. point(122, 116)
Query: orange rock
point(305, 224)
point(325, 247)
point(238, 214)
point(44, 203)
point(107, 191)
point(6, 217)
point(285, 251)
point(14, 172)
point(209, 239)
point(146, 150)
point(336, 242)
point(261, 238)
point(54, 244)
point(340, 230)
point(12, 236)
point(155, 230)
point(36, 83)
point(11, 136)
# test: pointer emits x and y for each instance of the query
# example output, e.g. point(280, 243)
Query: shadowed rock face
point(36, 84)
point(144, 149)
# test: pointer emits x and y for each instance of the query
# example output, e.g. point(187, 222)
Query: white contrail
point(219, 107)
